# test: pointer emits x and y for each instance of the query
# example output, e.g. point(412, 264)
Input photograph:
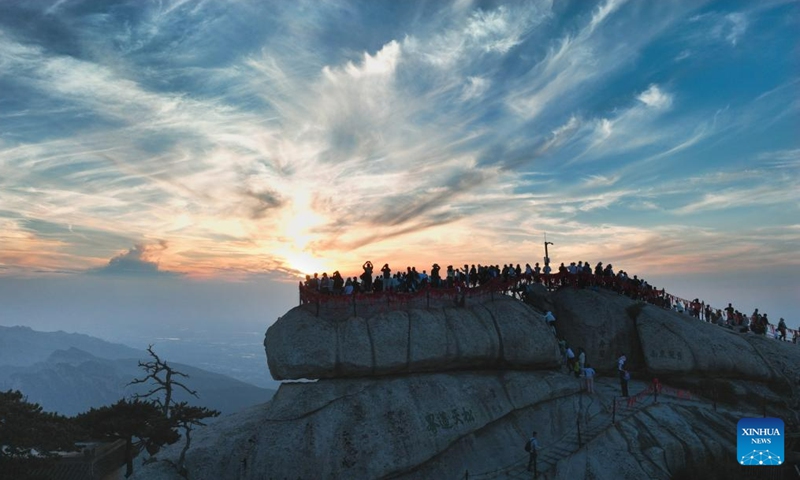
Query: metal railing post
point(655, 390)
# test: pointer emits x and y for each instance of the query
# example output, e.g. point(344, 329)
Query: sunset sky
point(182, 144)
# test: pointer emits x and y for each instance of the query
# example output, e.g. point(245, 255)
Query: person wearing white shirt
point(588, 375)
point(550, 319)
point(570, 358)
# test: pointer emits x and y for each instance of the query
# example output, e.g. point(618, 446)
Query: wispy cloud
point(285, 139)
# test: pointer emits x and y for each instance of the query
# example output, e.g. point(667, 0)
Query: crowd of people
point(411, 280)
point(514, 278)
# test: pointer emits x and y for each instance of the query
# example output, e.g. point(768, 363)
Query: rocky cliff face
point(503, 333)
point(438, 393)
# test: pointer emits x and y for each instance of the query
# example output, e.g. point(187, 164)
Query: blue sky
point(208, 141)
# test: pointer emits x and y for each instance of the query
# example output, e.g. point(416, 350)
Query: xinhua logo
point(759, 441)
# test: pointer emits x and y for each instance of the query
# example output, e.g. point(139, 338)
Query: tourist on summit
point(387, 277)
point(624, 376)
point(533, 448)
point(366, 277)
point(325, 283)
point(436, 279)
point(729, 310)
point(782, 329)
point(588, 375)
point(338, 282)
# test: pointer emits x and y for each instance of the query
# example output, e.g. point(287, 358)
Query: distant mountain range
point(69, 373)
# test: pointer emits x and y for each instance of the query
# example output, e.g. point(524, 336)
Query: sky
point(195, 158)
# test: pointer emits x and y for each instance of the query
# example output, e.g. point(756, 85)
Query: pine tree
point(187, 418)
point(130, 420)
point(29, 437)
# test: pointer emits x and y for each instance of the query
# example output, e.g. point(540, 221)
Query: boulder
point(442, 425)
point(657, 443)
point(414, 426)
point(537, 296)
point(503, 333)
point(596, 320)
point(439, 392)
point(675, 343)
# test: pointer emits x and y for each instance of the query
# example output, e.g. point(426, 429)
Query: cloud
point(735, 28)
point(655, 98)
point(789, 159)
point(312, 137)
point(474, 88)
point(137, 261)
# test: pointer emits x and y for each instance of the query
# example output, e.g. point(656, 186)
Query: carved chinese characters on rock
point(446, 420)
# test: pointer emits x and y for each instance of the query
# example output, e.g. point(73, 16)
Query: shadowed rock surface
point(403, 419)
point(503, 333)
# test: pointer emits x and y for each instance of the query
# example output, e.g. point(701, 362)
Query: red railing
point(339, 306)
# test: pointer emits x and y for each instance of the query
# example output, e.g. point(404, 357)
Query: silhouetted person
point(436, 280)
point(782, 329)
point(387, 277)
point(366, 277)
point(338, 282)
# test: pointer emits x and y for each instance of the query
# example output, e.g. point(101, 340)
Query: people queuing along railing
point(337, 306)
point(367, 304)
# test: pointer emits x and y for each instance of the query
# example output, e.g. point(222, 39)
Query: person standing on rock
point(550, 319)
point(532, 447)
point(570, 359)
point(588, 374)
point(387, 277)
point(624, 376)
point(782, 329)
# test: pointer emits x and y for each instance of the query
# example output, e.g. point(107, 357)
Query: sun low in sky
point(227, 139)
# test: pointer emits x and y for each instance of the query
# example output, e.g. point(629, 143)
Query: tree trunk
point(181, 461)
point(167, 392)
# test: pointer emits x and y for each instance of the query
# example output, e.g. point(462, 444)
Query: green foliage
point(187, 418)
point(29, 436)
point(634, 310)
point(172, 416)
point(128, 420)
